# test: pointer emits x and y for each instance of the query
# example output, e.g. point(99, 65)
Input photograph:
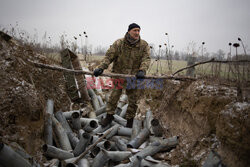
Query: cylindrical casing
point(101, 110)
point(120, 143)
point(146, 163)
point(157, 128)
point(82, 144)
point(73, 139)
point(139, 139)
point(122, 101)
point(94, 99)
point(122, 131)
point(136, 128)
point(100, 129)
point(61, 135)
point(86, 121)
point(91, 126)
point(100, 100)
point(149, 117)
point(120, 120)
point(75, 117)
point(157, 146)
point(68, 114)
point(60, 117)
point(124, 110)
point(113, 132)
point(117, 155)
point(95, 151)
point(48, 135)
point(100, 160)
point(104, 145)
point(8, 157)
point(54, 152)
point(83, 163)
point(101, 116)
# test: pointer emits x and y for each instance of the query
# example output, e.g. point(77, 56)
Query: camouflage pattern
point(127, 59)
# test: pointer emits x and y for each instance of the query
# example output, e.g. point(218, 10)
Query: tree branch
point(80, 72)
point(212, 61)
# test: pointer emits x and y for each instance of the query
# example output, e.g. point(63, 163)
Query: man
point(130, 55)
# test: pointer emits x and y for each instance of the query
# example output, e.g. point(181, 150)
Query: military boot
point(109, 118)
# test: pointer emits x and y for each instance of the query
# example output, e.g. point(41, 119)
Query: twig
point(211, 61)
point(80, 72)
point(92, 146)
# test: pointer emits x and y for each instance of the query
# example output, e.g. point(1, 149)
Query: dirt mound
point(24, 92)
point(206, 117)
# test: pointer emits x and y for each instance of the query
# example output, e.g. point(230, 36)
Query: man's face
point(135, 33)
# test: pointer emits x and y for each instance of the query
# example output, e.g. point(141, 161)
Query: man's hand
point(98, 72)
point(140, 74)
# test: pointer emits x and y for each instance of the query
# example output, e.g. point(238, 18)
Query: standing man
point(130, 55)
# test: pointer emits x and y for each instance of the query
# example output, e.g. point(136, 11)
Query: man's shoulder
point(144, 43)
point(119, 41)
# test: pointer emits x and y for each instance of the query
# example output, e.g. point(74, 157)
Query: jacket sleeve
point(110, 56)
point(145, 59)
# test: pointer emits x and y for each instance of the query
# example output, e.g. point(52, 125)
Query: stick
point(92, 146)
point(211, 61)
point(80, 72)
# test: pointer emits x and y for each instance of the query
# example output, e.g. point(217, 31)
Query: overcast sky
point(216, 22)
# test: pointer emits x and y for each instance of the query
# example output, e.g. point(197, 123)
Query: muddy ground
point(207, 116)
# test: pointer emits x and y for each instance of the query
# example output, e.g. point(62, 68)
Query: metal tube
point(75, 117)
point(122, 131)
point(100, 100)
point(73, 139)
point(156, 147)
point(147, 163)
point(68, 114)
point(100, 129)
point(120, 142)
point(95, 151)
point(156, 128)
point(149, 118)
point(61, 135)
point(120, 120)
point(113, 132)
point(48, 135)
point(117, 155)
point(54, 152)
point(100, 160)
point(91, 126)
point(61, 118)
point(94, 99)
point(86, 121)
point(8, 157)
point(122, 101)
point(124, 110)
point(136, 128)
point(101, 110)
point(83, 163)
point(139, 139)
point(101, 116)
point(104, 145)
point(82, 144)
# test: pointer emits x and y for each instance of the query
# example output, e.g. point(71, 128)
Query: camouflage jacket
point(126, 58)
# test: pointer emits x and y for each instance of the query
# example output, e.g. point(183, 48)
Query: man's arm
point(145, 59)
point(110, 56)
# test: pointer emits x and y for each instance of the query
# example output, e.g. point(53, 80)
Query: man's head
point(134, 30)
